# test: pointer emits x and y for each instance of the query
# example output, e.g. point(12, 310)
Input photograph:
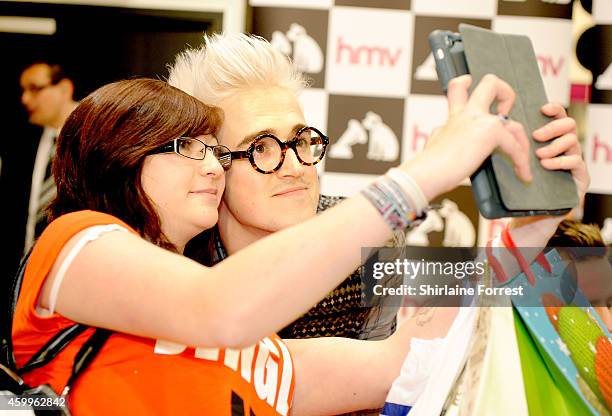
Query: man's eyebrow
point(248, 139)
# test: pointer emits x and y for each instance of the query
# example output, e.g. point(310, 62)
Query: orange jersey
point(141, 376)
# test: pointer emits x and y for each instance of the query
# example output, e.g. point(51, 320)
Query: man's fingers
point(555, 128)
point(554, 110)
point(566, 144)
point(489, 90)
point(565, 162)
point(457, 94)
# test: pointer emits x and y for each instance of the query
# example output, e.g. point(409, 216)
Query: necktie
point(45, 194)
point(43, 187)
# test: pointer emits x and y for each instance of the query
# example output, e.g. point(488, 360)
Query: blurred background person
point(47, 96)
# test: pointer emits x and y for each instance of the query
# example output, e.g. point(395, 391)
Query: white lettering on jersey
point(282, 403)
point(168, 348)
point(211, 354)
point(259, 363)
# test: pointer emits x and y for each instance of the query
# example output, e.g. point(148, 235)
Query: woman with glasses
point(139, 173)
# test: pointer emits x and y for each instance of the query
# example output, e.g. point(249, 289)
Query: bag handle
point(7, 358)
point(83, 358)
point(52, 348)
point(86, 355)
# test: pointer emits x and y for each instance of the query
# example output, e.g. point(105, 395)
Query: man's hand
point(563, 152)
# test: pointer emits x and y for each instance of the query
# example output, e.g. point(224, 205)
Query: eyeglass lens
point(195, 149)
point(191, 148)
point(267, 152)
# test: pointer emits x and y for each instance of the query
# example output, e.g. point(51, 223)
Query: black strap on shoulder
point(17, 282)
point(52, 348)
point(86, 354)
point(6, 348)
point(83, 358)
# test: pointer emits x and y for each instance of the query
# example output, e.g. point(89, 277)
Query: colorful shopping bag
point(566, 351)
point(535, 357)
point(546, 394)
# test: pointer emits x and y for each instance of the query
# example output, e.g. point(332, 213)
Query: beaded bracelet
point(391, 202)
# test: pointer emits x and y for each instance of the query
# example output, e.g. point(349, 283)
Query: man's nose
point(291, 165)
point(25, 97)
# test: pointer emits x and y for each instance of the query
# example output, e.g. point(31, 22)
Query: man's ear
point(67, 87)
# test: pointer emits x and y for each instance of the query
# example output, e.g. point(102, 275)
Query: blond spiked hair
point(229, 63)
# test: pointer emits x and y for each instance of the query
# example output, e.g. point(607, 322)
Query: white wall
point(234, 11)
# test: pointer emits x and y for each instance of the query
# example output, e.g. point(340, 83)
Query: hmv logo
point(601, 151)
point(383, 144)
point(427, 70)
point(458, 231)
point(366, 54)
point(604, 81)
point(298, 44)
point(550, 67)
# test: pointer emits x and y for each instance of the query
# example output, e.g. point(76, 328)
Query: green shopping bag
point(547, 390)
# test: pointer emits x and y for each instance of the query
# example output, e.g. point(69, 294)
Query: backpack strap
point(86, 355)
point(49, 351)
point(52, 348)
point(7, 358)
point(11, 378)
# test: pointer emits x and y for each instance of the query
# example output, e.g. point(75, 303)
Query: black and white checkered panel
point(594, 52)
point(375, 90)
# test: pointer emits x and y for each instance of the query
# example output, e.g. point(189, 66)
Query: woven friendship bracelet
point(393, 189)
point(390, 201)
point(411, 189)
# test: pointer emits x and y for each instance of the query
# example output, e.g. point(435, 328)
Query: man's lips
point(211, 191)
point(290, 191)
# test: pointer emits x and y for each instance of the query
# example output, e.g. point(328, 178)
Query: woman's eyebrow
point(209, 139)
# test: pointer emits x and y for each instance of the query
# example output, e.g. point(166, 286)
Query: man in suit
point(47, 96)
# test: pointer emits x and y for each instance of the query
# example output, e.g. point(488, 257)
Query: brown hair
point(102, 146)
point(580, 240)
point(56, 71)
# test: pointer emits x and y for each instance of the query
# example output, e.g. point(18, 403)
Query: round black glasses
point(267, 152)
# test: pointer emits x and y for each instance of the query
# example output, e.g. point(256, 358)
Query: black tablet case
point(512, 58)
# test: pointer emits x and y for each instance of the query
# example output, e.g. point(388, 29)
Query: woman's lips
point(211, 192)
